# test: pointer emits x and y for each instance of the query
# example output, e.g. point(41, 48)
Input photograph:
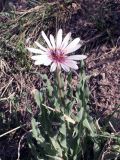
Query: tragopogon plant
point(63, 126)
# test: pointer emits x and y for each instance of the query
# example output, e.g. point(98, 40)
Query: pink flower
point(57, 52)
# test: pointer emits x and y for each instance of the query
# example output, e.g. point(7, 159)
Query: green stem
point(59, 80)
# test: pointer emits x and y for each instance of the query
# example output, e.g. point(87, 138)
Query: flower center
point(57, 55)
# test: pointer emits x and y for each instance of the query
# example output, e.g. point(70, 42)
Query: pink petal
point(52, 40)
point(53, 67)
point(77, 57)
point(47, 62)
point(38, 63)
point(39, 57)
point(70, 63)
point(59, 38)
point(46, 39)
point(65, 68)
point(38, 51)
point(66, 40)
point(42, 59)
point(72, 49)
point(40, 46)
point(74, 45)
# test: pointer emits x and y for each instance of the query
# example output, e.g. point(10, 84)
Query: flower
point(56, 54)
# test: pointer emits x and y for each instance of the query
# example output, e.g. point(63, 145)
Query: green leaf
point(69, 77)
point(54, 157)
point(63, 129)
point(56, 146)
point(116, 148)
point(38, 97)
point(56, 104)
point(69, 107)
point(80, 114)
point(36, 132)
point(87, 125)
point(63, 136)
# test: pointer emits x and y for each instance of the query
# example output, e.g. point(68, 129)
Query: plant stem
point(59, 80)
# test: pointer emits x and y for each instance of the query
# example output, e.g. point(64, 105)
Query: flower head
point(56, 53)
